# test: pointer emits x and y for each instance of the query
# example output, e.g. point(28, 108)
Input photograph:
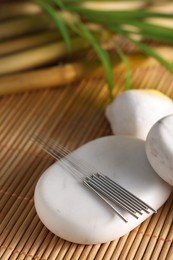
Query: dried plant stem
point(63, 75)
point(26, 42)
point(24, 25)
point(18, 8)
point(31, 24)
point(110, 5)
point(161, 7)
point(51, 77)
point(39, 56)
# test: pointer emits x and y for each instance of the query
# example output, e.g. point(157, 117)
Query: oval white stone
point(135, 111)
point(159, 148)
point(74, 213)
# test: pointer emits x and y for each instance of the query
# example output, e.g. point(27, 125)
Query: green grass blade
point(146, 34)
point(102, 54)
point(148, 51)
point(59, 3)
point(151, 36)
point(128, 78)
point(155, 32)
point(113, 16)
point(57, 20)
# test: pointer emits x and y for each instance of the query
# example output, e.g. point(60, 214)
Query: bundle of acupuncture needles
point(104, 187)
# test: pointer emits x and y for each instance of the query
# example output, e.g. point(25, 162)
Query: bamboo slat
point(73, 115)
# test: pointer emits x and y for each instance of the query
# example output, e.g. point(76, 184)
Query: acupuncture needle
point(97, 182)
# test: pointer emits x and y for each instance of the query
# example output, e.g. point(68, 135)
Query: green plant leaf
point(152, 31)
point(111, 22)
point(128, 79)
point(59, 3)
point(148, 51)
point(82, 30)
point(47, 8)
point(149, 35)
point(117, 16)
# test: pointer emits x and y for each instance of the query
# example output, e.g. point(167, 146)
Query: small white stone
point(134, 112)
point(159, 148)
point(74, 213)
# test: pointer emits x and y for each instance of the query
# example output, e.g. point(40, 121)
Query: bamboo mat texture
point(73, 115)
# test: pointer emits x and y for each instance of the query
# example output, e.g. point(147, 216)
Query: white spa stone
point(135, 111)
point(159, 148)
point(74, 213)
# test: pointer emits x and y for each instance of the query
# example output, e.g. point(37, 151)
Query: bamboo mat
point(72, 115)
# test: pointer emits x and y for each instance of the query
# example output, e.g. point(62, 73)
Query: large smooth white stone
point(134, 112)
point(159, 148)
point(74, 213)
